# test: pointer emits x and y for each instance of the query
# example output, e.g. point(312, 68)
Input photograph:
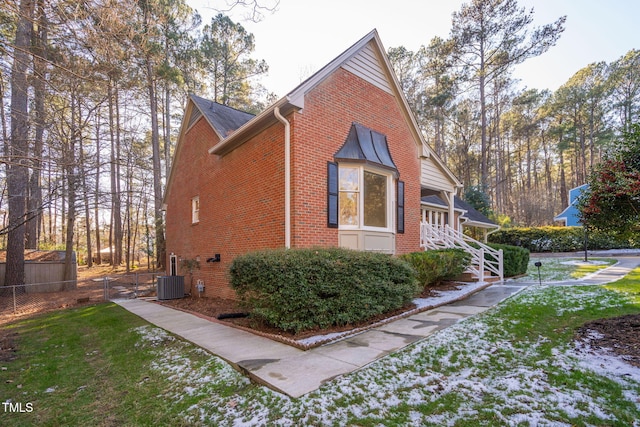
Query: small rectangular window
point(349, 184)
point(195, 210)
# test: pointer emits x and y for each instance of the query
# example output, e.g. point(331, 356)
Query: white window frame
point(195, 210)
point(390, 196)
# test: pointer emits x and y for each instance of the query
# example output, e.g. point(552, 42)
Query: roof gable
point(571, 215)
point(367, 65)
point(367, 59)
point(576, 192)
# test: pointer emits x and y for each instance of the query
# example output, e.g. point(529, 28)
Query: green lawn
point(558, 269)
point(516, 364)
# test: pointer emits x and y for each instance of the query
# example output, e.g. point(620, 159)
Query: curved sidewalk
point(296, 372)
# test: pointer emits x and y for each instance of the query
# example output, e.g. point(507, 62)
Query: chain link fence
point(137, 285)
point(26, 300)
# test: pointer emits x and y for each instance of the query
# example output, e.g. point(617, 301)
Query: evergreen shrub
point(435, 266)
point(515, 259)
point(558, 239)
point(303, 289)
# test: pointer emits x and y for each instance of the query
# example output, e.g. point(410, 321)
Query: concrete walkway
point(296, 372)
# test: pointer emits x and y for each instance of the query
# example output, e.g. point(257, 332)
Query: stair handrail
point(495, 263)
point(435, 237)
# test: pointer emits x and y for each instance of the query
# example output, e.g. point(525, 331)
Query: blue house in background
point(570, 215)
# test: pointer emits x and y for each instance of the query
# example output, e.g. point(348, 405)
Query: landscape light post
point(586, 243)
point(539, 264)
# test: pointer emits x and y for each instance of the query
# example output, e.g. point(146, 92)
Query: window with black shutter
point(332, 195)
point(400, 207)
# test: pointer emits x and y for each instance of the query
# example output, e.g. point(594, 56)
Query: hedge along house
point(338, 161)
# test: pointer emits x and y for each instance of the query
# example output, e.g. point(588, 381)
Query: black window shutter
point(400, 214)
point(332, 195)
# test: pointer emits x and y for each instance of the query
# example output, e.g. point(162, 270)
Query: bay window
point(364, 198)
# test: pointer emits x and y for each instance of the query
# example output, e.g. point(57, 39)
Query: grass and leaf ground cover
point(516, 364)
point(556, 269)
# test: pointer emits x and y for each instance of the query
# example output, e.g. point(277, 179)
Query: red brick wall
point(241, 202)
point(242, 193)
point(321, 129)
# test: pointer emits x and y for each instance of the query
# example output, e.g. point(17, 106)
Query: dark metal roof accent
point(224, 119)
point(366, 145)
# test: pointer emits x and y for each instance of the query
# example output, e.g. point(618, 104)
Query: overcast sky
point(304, 35)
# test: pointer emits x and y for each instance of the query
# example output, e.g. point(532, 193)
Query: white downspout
point(287, 177)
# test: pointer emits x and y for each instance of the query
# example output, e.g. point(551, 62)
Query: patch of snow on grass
point(464, 372)
point(606, 363)
point(581, 296)
point(152, 335)
point(187, 378)
point(578, 262)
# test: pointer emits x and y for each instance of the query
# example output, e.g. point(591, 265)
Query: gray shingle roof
point(224, 119)
point(471, 213)
point(434, 200)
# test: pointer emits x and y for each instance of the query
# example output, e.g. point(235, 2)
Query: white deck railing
point(483, 257)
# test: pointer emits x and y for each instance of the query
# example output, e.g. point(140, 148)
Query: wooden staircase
point(487, 264)
point(470, 276)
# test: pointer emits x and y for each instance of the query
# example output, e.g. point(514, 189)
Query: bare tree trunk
point(564, 196)
point(63, 212)
point(127, 221)
point(155, 145)
point(583, 158)
point(157, 171)
point(484, 166)
point(96, 197)
point(34, 204)
point(5, 134)
point(118, 212)
point(72, 184)
point(509, 180)
point(116, 203)
point(87, 213)
point(51, 207)
point(136, 230)
point(167, 131)
point(17, 178)
point(5, 151)
point(147, 233)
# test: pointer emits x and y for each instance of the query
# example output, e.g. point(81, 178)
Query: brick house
point(338, 161)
